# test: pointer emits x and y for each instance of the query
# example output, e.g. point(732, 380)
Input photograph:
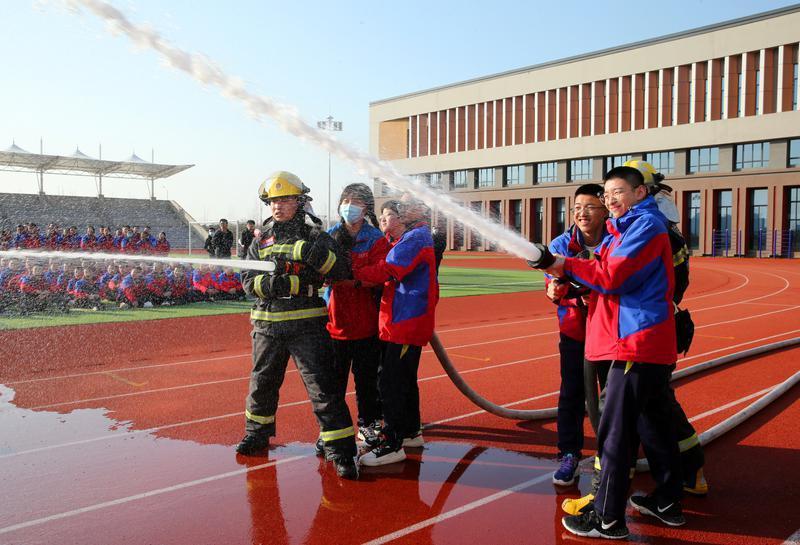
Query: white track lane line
point(248, 354)
point(171, 388)
point(746, 281)
point(239, 414)
point(384, 539)
point(149, 494)
point(732, 404)
point(785, 287)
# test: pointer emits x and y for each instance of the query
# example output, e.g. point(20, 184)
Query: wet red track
point(134, 444)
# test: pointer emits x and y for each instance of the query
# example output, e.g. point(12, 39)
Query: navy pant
point(634, 391)
point(364, 355)
point(570, 397)
point(397, 383)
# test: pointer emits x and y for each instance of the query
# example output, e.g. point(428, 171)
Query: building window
point(559, 215)
point(724, 203)
point(580, 169)
point(758, 219)
point(662, 161)
point(546, 172)
point(693, 213)
point(485, 177)
point(754, 155)
point(515, 211)
point(538, 221)
point(459, 178)
point(740, 94)
point(758, 87)
point(435, 179)
point(793, 200)
point(703, 160)
point(515, 175)
point(387, 190)
point(616, 161)
point(794, 152)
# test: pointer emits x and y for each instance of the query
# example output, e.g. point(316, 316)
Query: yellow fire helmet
point(281, 184)
point(645, 168)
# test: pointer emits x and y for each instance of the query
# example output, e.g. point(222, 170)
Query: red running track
point(136, 447)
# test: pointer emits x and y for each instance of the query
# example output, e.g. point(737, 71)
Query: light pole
point(328, 124)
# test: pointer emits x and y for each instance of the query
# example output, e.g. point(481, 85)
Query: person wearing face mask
point(353, 306)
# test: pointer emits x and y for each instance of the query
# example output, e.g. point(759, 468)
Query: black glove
point(545, 260)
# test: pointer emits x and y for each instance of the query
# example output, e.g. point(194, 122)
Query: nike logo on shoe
point(660, 510)
point(607, 526)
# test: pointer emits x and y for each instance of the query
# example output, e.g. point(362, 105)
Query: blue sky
point(71, 83)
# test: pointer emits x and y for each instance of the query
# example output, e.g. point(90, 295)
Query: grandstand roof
point(17, 159)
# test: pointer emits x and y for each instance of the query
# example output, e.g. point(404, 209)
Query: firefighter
point(289, 319)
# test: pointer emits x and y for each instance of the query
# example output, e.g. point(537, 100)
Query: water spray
point(265, 266)
point(207, 72)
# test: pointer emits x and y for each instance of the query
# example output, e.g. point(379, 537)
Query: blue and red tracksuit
point(631, 324)
point(572, 328)
point(116, 242)
point(353, 323)
point(181, 287)
point(102, 285)
point(224, 283)
point(84, 288)
point(406, 321)
point(161, 247)
point(410, 288)
point(353, 312)
point(53, 241)
point(202, 282)
point(19, 241)
point(133, 291)
point(157, 286)
point(89, 243)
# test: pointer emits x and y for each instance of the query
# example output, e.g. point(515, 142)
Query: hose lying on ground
point(592, 395)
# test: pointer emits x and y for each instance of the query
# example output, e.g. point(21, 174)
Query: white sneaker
point(382, 455)
point(414, 442)
point(124, 306)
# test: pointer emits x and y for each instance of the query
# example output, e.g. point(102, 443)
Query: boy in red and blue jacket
point(406, 321)
point(582, 239)
point(229, 285)
point(631, 324)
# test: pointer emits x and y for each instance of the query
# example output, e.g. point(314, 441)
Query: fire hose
point(592, 396)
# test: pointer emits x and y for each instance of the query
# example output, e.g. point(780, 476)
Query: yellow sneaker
point(577, 506)
point(697, 488)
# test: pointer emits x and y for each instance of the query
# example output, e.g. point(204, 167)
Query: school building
point(715, 109)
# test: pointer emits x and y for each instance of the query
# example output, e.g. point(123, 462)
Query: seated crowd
point(29, 286)
point(127, 239)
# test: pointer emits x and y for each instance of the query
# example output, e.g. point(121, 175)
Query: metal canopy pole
point(331, 126)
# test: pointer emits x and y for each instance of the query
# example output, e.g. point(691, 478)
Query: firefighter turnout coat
point(289, 319)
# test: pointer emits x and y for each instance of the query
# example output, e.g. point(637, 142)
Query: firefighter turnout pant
point(309, 344)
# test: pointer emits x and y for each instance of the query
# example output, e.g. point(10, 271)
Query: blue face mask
point(351, 213)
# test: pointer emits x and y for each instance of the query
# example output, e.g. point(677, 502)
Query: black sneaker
point(345, 467)
point(252, 444)
point(370, 434)
point(319, 447)
point(590, 524)
point(670, 514)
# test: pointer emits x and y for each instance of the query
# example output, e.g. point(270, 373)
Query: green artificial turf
point(453, 282)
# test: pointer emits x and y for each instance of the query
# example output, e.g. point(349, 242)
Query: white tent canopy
point(16, 159)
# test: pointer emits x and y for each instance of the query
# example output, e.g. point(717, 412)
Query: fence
point(775, 243)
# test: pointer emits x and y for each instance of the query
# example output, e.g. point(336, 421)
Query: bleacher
point(167, 216)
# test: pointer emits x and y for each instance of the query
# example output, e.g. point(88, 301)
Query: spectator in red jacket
point(134, 290)
point(203, 284)
point(86, 292)
point(34, 290)
point(229, 285)
point(181, 285)
point(161, 246)
point(89, 240)
point(159, 286)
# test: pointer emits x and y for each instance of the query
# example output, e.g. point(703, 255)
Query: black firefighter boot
point(252, 444)
point(345, 467)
